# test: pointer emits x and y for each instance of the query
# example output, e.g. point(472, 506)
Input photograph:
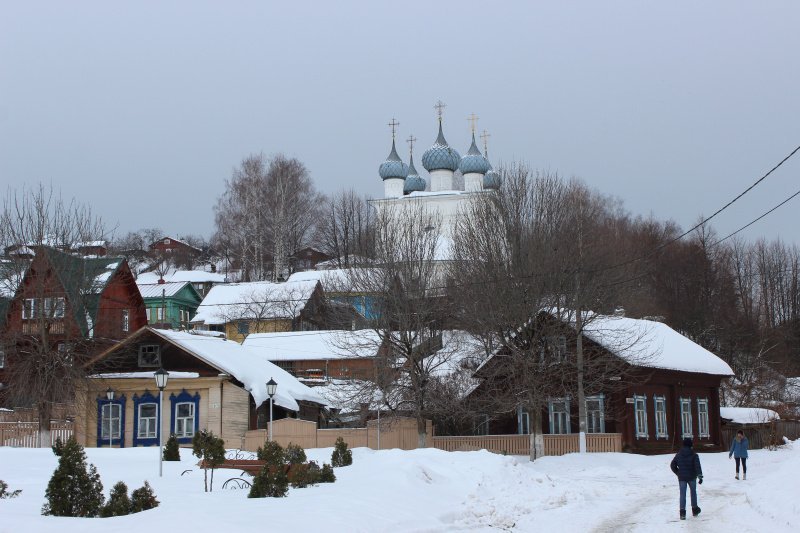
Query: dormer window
point(150, 356)
point(167, 241)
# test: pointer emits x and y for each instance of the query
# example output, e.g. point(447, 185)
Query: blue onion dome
point(413, 182)
point(440, 156)
point(491, 180)
point(393, 167)
point(474, 160)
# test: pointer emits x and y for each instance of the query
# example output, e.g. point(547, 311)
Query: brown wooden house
point(67, 301)
point(665, 387)
point(214, 384)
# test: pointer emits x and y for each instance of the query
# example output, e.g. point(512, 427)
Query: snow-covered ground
point(430, 490)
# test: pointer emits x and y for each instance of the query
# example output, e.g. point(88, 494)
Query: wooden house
point(307, 259)
point(171, 245)
point(239, 309)
point(170, 304)
point(668, 387)
point(340, 285)
point(316, 357)
point(213, 384)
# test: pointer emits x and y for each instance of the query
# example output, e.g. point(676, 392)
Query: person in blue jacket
point(686, 465)
point(739, 453)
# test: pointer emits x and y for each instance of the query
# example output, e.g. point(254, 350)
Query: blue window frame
point(111, 417)
point(185, 419)
point(146, 419)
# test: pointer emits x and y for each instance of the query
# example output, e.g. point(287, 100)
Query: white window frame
point(523, 421)
point(703, 422)
point(149, 349)
point(54, 307)
point(640, 416)
point(160, 314)
point(602, 420)
point(29, 308)
point(150, 421)
point(187, 431)
point(148, 314)
point(2, 358)
point(111, 415)
point(565, 418)
point(686, 416)
point(660, 417)
point(126, 320)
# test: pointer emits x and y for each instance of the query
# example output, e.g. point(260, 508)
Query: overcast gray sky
point(143, 108)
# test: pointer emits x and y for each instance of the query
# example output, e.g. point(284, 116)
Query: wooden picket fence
point(26, 434)
point(520, 444)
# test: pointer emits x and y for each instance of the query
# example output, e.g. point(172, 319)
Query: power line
point(756, 219)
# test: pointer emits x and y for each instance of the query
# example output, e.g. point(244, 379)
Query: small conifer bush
point(143, 499)
point(272, 453)
point(172, 452)
point(75, 488)
point(341, 456)
point(271, 482)
point(58, 447)
point(118, 504)
point(4, 492)
point(295, 454)
point(211, 449)
point(326, 475)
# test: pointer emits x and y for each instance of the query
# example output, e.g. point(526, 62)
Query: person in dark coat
point(686, 465)
point(739, 452)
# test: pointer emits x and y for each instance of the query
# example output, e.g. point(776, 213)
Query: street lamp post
point(272, 388)
point(161, 376)
point(110, 397)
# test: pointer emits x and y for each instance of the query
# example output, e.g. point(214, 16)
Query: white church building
point(442, 196)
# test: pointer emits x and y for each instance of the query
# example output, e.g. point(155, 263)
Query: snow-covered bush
point(143, 499)
point(5, 494)
point(172, 451)
point(118, 504)
point(74, 489)
point(341, 456)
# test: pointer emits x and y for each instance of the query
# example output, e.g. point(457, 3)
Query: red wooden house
point(666, 387)
point(65, 300)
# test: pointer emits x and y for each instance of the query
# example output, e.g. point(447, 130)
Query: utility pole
point(579, 337)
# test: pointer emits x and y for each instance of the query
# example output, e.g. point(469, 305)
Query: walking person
point(686, 465)
point(739, 453)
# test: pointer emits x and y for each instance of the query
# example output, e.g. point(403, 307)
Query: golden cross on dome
point(411, 140)
point(393, 124)
point(485, 137)
point(440, 109)
point(473, 118)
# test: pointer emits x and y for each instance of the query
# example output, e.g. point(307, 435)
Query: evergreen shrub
point(211, 449)
point(271, 482)
point(143, 499)
point(5, 494)
point(74, 489)
point(272, 453)
point(118, 504)
point(58, 447)
point(172, 452)
point(295, 454)
point(341, 456)
point(326, 475)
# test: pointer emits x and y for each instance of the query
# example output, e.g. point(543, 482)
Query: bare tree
point(345, 231)
point(41, 369)
point(266, 213)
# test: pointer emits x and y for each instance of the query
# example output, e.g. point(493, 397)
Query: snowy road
point(432, 491)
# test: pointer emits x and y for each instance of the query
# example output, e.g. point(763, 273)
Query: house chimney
point(161, 281)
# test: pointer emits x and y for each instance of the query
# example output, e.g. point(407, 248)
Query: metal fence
point(26, 434)
point(521, 444)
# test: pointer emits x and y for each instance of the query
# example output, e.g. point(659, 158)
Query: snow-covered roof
point(132, 375)
point(652, 344)
point(336, 261)
point(197, 276)
point(154, 290)
point(310, 345)
point(335, 279)
point(748, 415)
point(246, 366)
point(254, 300)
